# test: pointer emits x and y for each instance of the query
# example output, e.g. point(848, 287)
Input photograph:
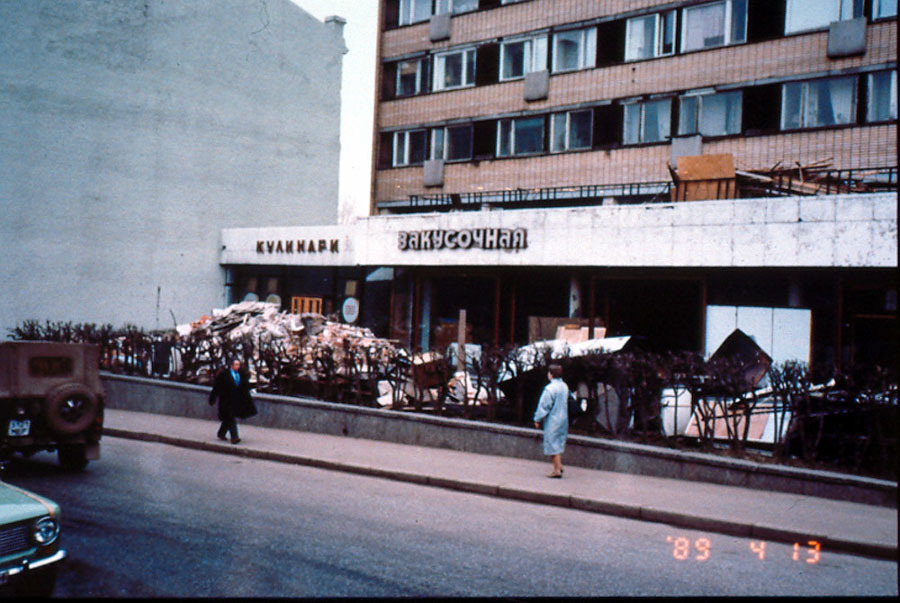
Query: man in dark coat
point(232, 388)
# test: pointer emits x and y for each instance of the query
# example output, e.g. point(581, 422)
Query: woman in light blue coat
point(553, 410)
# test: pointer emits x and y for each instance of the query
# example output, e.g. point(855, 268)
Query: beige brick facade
point(795, 56)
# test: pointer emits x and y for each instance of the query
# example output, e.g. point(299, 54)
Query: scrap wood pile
point(814, 178)
point(272, 342)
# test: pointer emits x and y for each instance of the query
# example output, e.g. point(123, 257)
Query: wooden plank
point(706, 167)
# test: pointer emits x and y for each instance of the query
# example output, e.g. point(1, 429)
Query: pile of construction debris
point(702, 177)
point(297, 339)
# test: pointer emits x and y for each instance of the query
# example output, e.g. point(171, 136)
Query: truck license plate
point(19, 427)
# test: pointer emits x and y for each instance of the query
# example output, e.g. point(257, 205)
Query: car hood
point(17, 504)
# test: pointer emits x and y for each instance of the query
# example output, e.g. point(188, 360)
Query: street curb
point(636, 512)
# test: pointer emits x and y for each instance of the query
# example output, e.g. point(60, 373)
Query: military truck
point(51, 398)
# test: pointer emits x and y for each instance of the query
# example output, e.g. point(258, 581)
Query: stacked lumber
point(815, 178)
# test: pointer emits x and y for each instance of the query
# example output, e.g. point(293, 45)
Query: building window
point(882, 9)
point(710, 114)
point(409, 147)
point(571, 130)
point(454, 69)
point(803, 15)
point(818, 103)
point(413, 11)
point(650, 36)
point(453, 143)
point(409, 77)
point(509, 1)
point(574, 49)
point(714, 24)
point(647, 121)
point(521, 56)
point(454, 6)
point(882, 96)
point(520, 136)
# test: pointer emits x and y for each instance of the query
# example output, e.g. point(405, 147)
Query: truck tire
point(70, 409)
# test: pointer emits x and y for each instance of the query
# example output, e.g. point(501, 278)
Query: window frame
point(406, 8)
point(406, 135)
point(659, 35)
point(439, 67)
point(587, 49)
point(876, 5)
point(846, 9)
point(440, 143)
point(698, 112)
point(438, 7)
point(804, 103)
point(728, 25)
point(511, 143)
point(642, 121)
point(535, 58)
point(419, 88)
point(567, 129)
point(891, 95)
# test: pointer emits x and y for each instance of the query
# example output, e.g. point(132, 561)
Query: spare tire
point(70, 409)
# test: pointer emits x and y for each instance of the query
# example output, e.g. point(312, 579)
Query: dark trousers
point(229, 425)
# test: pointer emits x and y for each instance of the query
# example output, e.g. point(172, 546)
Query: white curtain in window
point(529, 135)
point(632, 128)
point(884, 8)
point(830, 102)
point(463, 6)
point(656, 120)
point(720, 114)
point(567, 50)
point(704, 26)
point(687, 116)
point(882, 96)
point(791, 97)
point(811, 14)
point(640, 38)
point(558, 132)
point(514, 59)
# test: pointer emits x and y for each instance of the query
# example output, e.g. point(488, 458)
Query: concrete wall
point(854, 231)
point(162, 397)
point(133, 132)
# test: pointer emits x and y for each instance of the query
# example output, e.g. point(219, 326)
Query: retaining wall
point(304, 414)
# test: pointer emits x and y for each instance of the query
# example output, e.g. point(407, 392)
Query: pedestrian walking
point(232, 389)
point(553, 410)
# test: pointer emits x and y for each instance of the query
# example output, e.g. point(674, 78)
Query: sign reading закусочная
point(475, 238)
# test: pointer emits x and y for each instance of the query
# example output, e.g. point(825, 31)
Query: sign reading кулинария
point(475, 238)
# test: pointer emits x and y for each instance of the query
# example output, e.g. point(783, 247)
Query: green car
point(29, 542)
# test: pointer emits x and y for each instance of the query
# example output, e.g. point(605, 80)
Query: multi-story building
point(529, 162)
point(132, 133)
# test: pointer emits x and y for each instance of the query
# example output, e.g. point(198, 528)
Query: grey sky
point(357, 98)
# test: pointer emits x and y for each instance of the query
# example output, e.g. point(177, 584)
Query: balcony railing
point(779, 182)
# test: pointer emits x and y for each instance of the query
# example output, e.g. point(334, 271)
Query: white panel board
point(757, 323)
point(791, 333)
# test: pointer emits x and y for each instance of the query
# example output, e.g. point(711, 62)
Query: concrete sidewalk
point(760, 515)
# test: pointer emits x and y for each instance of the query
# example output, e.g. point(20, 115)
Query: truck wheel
point(70, 409)
point(73, 456)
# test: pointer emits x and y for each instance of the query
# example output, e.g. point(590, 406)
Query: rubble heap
point(298, 338)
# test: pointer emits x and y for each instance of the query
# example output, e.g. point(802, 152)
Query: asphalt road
point(150, 520)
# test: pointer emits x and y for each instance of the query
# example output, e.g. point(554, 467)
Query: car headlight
point(45, 531)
